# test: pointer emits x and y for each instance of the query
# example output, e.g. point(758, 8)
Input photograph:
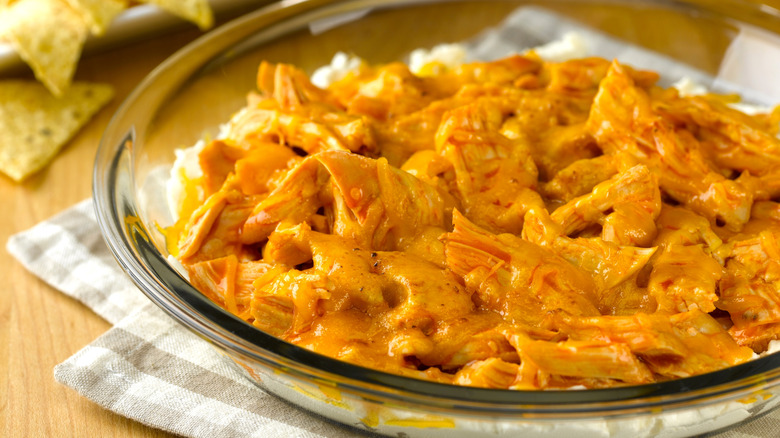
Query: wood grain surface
point(40, 327)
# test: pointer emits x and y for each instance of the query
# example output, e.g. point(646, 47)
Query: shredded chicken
point(516, 224)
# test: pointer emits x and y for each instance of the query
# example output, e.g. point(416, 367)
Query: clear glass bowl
point(200, 87)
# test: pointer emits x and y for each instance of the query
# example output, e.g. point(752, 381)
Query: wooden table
point(39, 326)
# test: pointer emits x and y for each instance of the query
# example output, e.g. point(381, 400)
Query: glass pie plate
point(187, 98)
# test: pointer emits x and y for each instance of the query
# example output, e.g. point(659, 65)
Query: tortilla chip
point(48, 35)
point(196, 11)
point(98, 13)
point(34, 125)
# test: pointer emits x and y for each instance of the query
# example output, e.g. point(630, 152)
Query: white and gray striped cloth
point(151, 369)
point(148, 367)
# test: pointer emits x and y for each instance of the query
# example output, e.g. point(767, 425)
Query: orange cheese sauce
point(512, 224)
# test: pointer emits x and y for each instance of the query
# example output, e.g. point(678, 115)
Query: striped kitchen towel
point(148, 367)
